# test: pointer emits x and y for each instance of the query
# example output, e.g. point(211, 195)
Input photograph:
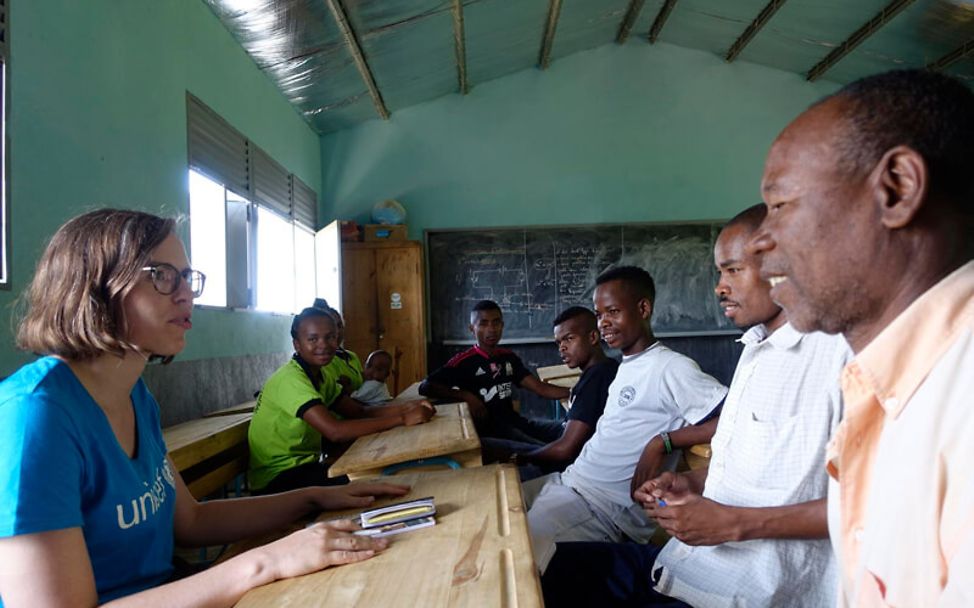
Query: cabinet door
point(358, 300)
point(402, 330)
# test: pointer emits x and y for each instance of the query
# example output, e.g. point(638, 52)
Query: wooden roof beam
point(660, 21)
point(964, 50)
point(759, 22)
point(460, 46)
point(338, 12)
point(554, 11)
point(632, 13)
point(884, 16)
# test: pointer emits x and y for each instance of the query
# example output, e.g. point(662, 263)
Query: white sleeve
point(959, 590)
point(687, 391)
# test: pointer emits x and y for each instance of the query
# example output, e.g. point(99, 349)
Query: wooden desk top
point(477, 554)
point(411, 392)
point(698, 456)
point(560, 375)
point(558, 372)
point(193, 442)
point(567, 381)
point(241, 408)
point(450, 431)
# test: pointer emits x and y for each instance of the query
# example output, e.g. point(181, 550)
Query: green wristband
point(667, 444)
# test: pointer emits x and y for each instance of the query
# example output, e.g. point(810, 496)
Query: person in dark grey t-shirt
point(578, 342)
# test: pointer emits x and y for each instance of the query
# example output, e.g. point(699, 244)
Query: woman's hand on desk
point(417, 412)
point(355, 495)
point(317, 547)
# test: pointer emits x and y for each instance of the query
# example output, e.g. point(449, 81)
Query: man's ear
point(294, 343)
point(901, 181)
point(645, 308)
point(594, 337)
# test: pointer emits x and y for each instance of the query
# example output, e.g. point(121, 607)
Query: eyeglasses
point(165, 278)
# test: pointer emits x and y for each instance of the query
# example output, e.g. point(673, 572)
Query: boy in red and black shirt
point(484, 377)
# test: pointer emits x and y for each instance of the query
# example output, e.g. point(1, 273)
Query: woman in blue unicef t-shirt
point(90, 505)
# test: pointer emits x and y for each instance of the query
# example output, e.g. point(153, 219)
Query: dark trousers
point(515, 434)
point(302, 476)
point(603, 575)
point(515, 427)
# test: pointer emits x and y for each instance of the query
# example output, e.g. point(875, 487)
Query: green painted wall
point(616, 134)
point(97, 117)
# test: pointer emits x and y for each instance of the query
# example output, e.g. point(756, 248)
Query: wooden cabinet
point(382, 302)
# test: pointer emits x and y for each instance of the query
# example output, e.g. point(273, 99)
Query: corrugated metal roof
point(341, 62)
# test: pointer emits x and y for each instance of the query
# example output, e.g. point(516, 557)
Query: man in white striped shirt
point(750, 530)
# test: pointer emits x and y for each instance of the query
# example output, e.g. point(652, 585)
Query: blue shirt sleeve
point(43, 468)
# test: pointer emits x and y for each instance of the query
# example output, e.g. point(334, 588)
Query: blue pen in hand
point(660, 502)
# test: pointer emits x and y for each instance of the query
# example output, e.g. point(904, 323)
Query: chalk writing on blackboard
point(534, 273)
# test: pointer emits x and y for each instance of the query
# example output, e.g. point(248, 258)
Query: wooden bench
point(209, 453)
point(247, 407)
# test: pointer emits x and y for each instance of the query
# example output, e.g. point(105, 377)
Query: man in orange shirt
point(870, 197)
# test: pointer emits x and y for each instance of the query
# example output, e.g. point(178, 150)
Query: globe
point(389, 211)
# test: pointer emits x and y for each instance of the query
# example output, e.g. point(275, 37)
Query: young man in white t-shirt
point(655, 390)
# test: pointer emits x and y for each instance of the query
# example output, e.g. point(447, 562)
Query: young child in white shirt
point(374, 390)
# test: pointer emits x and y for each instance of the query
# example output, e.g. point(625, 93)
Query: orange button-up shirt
point(901, 503)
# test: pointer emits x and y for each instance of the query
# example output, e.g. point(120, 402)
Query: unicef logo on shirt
point(626, 395)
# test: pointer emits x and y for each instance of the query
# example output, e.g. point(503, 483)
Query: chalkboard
point(534, 273)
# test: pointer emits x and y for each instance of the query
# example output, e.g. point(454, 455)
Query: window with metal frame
point(4, 169)
point(251, 221)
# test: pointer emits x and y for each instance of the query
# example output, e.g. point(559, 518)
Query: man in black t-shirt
point(577, 338)
point(485, 375)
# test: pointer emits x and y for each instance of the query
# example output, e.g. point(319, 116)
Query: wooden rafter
point(759, 22)
point(884, 16)
point(554, 11)
point(632, 13)
point(338, 11)
point(660, 21)
point(964, 50)
point(460, 46)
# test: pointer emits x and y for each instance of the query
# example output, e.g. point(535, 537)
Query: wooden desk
point(698, 456)
point(560, 375)
point(449, 433)
point(553, 372)
point(209, 452)
point(247, 407)
point(477, 555)
point(411, 392)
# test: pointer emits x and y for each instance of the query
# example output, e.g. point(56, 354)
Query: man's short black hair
point(481, 306)
point(927, 111)
point(636, 279)
point(307, 313)
point(750, 218)
point(577, 312)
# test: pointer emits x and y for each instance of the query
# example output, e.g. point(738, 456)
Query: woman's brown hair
point(74, 303)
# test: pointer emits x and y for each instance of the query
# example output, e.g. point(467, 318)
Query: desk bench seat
point(209, 453)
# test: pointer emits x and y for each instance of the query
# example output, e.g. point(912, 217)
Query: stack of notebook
point(399, 517)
